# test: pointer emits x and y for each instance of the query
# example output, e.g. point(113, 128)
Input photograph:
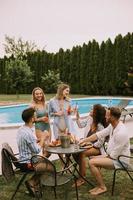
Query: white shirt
point(119, 143)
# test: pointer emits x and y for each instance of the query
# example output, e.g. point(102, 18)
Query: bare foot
point(93, 189)
point(99, 191)
point(79, 183)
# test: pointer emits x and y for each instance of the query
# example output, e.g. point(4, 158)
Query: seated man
point(27, 145)
point(118, 144)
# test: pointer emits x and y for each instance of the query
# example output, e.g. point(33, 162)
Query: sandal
point(30, 188)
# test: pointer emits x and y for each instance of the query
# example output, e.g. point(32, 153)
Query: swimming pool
point(10, 115)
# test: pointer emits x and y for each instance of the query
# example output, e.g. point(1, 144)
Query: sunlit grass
point(26, 98)
point(123, 189)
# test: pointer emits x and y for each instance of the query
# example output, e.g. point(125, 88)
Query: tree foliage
point(18, 75)
point(89, 69)
point(18, 48)
point(50, 81)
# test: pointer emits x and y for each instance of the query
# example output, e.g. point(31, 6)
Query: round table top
point(70, 150)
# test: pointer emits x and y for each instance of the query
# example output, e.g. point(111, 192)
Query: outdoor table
point(68, 152)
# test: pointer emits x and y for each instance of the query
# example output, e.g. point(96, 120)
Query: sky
point(54, 24)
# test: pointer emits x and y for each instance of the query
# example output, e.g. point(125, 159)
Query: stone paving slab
point(9, 136)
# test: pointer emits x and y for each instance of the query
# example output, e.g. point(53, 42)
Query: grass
point(131, 141)
point(26, 98)
point(123, 189)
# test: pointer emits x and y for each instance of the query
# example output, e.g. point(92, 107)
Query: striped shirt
point(27, 144)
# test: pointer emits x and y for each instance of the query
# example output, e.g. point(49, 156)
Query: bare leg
point(46, 138)
point(95, 163)
point(38, 134)
point(82, 162)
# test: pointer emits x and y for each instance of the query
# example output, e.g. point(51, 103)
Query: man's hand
point(83, 142)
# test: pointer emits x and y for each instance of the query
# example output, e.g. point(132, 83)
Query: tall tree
point(60, 62)
point(18, 48)
point(83, 69)
point(120, 65)
point(2, 76)
point(66, 66)
point(50, 81)
point(74, 70)
point(101, 73)
point(109, 69)
point(18, 75)
point(94, 65)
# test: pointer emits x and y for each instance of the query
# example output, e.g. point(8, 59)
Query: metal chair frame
point(13, 160)
point(54, 178)
point(123, 168)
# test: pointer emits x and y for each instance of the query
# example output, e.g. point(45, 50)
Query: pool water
point(12, 114)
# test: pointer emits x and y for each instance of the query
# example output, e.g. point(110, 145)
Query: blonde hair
point(60, 90)
point(33, 95)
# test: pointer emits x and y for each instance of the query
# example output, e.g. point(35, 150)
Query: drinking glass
point(76, 145)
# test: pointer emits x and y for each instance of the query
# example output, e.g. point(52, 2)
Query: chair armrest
point(131, 157)
point(122, 164)
point(20, 161)
point(124, 109)
point(16, 154)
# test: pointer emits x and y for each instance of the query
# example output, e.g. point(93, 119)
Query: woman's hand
point(45, 119)
point(77, 114)
point(60, 113)
point(42, 119)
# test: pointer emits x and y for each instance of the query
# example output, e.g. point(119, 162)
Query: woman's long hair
point(99, 113)
point(34, 100)
point(60, 90)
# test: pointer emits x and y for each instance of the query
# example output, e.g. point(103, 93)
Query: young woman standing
point(42, 124)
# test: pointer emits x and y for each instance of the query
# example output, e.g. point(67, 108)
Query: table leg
point(81, 175)
point(66, 163)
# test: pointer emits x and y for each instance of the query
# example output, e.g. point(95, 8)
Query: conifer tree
point(120, 65)
point(94, 65)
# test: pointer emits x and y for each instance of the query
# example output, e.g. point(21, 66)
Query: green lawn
point(123, 189)
point(24, 98)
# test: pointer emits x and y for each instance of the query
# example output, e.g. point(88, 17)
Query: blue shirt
point(27, 144)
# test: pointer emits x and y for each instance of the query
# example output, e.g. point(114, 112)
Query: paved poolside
point(9, 136)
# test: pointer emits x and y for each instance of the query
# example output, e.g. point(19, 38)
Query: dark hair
point(99, 113)
point(115, 112)
point(27, 114)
